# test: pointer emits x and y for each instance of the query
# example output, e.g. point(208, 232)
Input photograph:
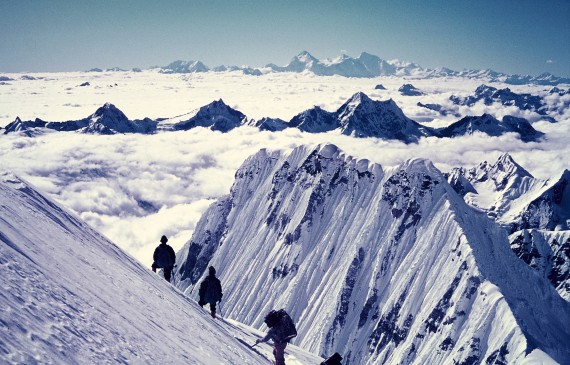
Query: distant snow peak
point(180, 66)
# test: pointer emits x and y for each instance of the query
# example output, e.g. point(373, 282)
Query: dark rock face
point(409, 90)
point(108, 119)
point(548, 253)
point(315, 120)
point(361, 116)
point(271, 124)
point(216, 116)
point(209, 238)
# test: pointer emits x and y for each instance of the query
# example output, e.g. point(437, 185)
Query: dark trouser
point(168, 273)
point(213, 309)
point(279, 352)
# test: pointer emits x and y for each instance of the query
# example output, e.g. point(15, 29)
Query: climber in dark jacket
point(210, 291)
point(281, 331)
point(164, 258)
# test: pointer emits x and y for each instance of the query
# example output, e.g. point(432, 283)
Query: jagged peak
point(305, 56)
point(484, 88)
point(507, 163)
point(108, 109)
point(487, 116)
point(359, 98)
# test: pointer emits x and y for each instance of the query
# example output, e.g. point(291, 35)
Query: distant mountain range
point(367, 66)
point(359, 117)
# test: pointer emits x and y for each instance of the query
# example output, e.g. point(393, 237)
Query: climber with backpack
point(281, 331)
point(210, 291)
point(164, 258)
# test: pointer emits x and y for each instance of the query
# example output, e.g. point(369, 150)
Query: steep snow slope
point(69, 296)
point(381, 265)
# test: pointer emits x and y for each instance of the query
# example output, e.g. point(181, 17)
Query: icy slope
point(381, 265)
point(69, 296)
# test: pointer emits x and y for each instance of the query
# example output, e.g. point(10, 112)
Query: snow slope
point(383, 265)
point(70, 296)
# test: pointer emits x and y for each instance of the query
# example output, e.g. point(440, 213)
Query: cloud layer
point(134, 188)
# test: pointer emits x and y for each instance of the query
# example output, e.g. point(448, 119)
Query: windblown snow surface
point(383, 265)
point(70, 296)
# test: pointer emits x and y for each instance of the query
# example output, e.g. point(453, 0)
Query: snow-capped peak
point(108, 112)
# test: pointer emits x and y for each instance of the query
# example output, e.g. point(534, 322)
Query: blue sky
point(523, 37)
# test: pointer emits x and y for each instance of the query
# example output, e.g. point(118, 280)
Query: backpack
point(281, 319)
point(163, 257)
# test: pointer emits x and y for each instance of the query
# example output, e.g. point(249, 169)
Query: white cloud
point(134, 188)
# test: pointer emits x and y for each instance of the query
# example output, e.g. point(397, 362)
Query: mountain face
point(107, 119)
point(216, 116)
point(361, 116)
point(315, 120)
point(410, 90)
point(536, 213)
point(518, 200)
point(24, 126)
point(366, 65)
point(185, 67)
point(547, 252)
point(383, 265)
point(269, 124)
point(70, 296)
point(490, 95)
point(489, 125)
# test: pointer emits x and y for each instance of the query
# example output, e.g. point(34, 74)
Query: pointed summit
point(301, 62)
point(361, 116)
point(217, 116)
point(19, 125)
point(109, 112)
point(314, 120)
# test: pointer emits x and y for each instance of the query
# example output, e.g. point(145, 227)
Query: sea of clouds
point(135, 188)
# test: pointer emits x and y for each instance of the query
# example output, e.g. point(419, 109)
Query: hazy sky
point(513, 36)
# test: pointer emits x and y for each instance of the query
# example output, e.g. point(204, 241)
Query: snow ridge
point(412, 275)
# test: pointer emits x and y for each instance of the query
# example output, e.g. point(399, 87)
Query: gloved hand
point(258, 341)
point(153, 269)
point(201, 303)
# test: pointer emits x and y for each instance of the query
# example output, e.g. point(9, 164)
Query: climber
point(210, 291)
point(164, 258)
